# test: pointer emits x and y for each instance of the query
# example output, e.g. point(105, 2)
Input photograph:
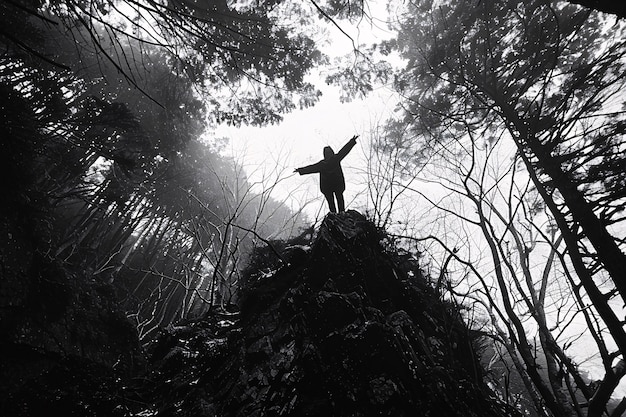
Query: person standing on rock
point(332, 181)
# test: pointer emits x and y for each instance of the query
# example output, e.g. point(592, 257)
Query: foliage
point(237, 55)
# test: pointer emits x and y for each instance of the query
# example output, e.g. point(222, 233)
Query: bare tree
point(527, 75)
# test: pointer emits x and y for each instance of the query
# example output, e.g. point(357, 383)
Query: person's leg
point(331, 202)
point(340, 203)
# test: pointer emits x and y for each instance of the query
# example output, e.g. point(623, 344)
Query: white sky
point(299, 141)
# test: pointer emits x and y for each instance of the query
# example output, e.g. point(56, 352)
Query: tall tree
point(546, 76)
point(105, 131)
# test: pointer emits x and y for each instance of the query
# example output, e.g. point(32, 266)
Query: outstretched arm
point(347, 147)
point(309, 169)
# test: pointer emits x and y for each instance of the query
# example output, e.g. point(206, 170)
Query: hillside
point(346, 325)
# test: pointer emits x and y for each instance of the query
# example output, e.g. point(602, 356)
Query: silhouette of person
point(332, 181)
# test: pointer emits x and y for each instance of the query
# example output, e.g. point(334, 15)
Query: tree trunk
point(607, 251)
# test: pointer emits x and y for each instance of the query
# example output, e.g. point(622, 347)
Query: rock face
point(347, 328)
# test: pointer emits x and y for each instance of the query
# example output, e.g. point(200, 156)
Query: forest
point(502, 169)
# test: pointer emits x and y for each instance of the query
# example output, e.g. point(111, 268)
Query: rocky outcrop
point(345, 326)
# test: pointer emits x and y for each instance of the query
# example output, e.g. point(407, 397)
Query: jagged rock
point(350, 329)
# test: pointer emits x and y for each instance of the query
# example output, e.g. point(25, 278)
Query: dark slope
point(65, 344)
point(347, 328)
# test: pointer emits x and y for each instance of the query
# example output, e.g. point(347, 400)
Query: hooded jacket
point(329, 168)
